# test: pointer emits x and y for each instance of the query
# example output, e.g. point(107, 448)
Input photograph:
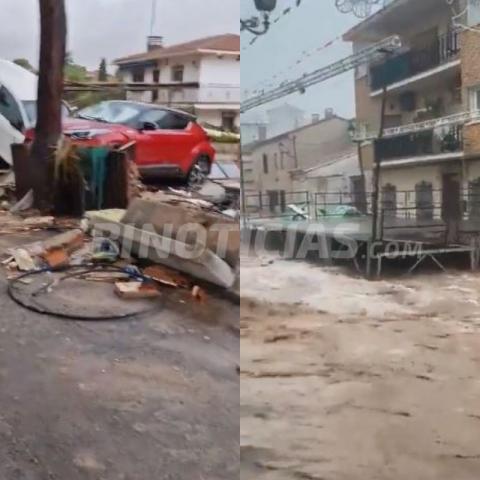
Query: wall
point(219, 78)
point(277, 178)
point(139, 96)
point(321, 141)
point(250, 132)
point(315, 144)
point(470, 58)
point(405, 179)
point(191, 73)
point(368, 109)
point(191, 68)
point(471, 139)
point(473, 171)
point(284, 119)
point(214, 117)
point(223, 70)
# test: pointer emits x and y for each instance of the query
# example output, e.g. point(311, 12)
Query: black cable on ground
point(65, 316)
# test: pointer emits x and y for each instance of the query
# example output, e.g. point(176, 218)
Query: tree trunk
point(50, 91)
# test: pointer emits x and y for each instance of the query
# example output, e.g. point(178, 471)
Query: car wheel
point(199, 171)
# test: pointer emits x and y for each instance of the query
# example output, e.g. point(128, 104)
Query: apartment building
point(201, 76)
point(274, 168)
point(430, 153)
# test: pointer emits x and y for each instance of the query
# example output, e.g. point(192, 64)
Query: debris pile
point(141, 252)
point(174, 239)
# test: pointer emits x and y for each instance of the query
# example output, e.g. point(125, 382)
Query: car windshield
point(30, 108)
point(111, 112)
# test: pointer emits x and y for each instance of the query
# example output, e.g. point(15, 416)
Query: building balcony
point(437, 143)
point(436, 56)
point(208, 94)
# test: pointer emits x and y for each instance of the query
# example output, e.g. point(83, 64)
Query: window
point(283, 201)
point(9, 109)
point(474, 199)
point(30, 107)
point(275, 160)
point(265, 163)
point(475, 98)
point(165, 120)
point(177, 73)
point(139, 75)
point(155, 96)
point(156, 76)
point(228, 121)
point(113, 112)
point(424, 200)
point(273, 200)
point(389, 200)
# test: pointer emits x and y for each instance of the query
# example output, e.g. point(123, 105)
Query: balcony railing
point(437, 141)
point(202, 94)
point(418, 60)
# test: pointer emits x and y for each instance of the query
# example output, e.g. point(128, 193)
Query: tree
point(53, 26)
point(24, 63)
point(102, 71)
point(73, 71)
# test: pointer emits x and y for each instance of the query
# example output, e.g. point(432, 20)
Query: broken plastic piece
point(136, 290)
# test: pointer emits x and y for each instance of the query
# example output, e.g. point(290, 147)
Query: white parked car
point(18, 107)
point(18, 99)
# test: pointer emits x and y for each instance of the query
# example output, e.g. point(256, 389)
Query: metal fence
point(277, 205)
point(410, 213)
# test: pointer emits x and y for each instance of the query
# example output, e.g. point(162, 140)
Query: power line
point(286, 11)
point(307, 80)
point(305, 55)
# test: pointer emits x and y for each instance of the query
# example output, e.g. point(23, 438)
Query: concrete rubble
point(165, 239)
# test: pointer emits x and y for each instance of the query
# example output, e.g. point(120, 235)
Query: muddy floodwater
point(343, 378)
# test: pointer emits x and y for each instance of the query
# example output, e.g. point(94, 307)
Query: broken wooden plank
point(136, 290)
point(166, 276)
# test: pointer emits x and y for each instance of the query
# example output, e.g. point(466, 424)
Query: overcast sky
point(313, 24)
point(114, 28)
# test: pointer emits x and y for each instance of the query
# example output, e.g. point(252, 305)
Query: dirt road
point(145, 399)
point(346, 379)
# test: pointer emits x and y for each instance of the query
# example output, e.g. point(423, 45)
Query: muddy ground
point(150, 398)
point(347, 379)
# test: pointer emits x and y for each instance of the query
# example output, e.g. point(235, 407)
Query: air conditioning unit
point(408, 101)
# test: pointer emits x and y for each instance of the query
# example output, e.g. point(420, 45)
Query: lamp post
point(256, 25)
point(266, 5)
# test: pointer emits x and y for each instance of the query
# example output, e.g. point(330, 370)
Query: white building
point(276, 169)
point(285, 118)
point(202, 76)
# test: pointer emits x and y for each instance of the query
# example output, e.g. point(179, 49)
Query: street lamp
point(266, 5)
point(256, 25)
point(360, 8)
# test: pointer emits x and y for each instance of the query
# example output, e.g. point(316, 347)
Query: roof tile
point(227, 42)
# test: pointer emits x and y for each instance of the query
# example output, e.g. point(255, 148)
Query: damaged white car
point(18, 92)
point(18, 107)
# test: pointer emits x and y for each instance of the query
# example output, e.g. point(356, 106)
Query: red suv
point(169, 143)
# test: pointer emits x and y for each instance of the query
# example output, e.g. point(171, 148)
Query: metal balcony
point(418, 60)
point(437, 141)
